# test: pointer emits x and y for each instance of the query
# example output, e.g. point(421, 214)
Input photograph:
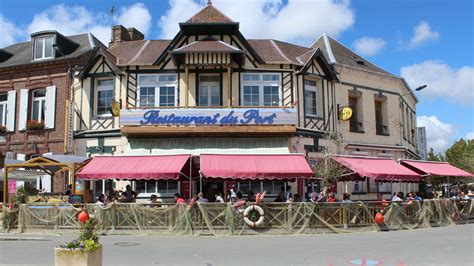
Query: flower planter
point(79, 257)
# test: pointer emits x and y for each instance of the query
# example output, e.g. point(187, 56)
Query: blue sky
point(426, 41)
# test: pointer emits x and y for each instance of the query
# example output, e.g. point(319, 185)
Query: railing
point(218, 219)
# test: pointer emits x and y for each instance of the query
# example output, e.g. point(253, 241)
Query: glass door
point(209, 90)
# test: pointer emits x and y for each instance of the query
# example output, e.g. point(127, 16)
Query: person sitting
point(314, 197)
point(250, 196)
point(332, 197)
point(346, 197)
point(219, 198)
point(280, 197)
point(201, 198)
point(397, 197)
point(178, 199)
point(155, 201)
point(101, 198)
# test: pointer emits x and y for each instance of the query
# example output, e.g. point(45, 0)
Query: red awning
point(379, 169)
point(435, 168)
point(255, 167)
point(135, 167)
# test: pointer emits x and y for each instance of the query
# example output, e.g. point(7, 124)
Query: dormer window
point(43, 48)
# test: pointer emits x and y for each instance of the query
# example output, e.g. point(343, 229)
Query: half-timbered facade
point(211, 90)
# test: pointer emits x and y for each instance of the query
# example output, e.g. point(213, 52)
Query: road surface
point(435, 246)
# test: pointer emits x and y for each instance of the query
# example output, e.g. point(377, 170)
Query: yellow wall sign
point(345, 113)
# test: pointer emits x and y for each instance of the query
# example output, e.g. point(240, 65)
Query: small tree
point(327, 169)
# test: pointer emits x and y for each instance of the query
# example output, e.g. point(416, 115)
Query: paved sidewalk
point(436, 246)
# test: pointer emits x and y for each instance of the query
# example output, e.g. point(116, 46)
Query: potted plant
point(3, 129)
point(34, 125)
point(86, 250)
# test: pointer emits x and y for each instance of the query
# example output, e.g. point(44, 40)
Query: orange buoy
point(379, 218)
point(83, 217)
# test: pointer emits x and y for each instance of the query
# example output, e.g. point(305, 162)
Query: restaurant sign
point(208, 116)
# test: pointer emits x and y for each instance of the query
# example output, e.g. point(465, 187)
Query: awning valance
point(435, 168)
point(378, 169)
point(136, 167)
point(254, 167)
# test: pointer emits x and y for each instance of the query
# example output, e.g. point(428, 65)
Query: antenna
point(112, 15)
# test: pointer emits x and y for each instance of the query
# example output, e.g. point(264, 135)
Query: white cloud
point(368, 46)
point(422, 33)
point(300, 21)
point(8, 30)
point(70, 20)
point(469, 135)
point(136, 15)
point(443, 81)
point(438, 134)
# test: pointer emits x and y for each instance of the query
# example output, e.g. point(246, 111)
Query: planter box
point(65, 256)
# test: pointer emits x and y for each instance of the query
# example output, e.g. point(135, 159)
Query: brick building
point(34, 86)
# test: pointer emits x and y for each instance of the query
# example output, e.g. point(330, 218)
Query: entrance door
point(209, 90)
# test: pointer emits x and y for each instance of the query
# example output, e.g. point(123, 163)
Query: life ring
point(260, 219)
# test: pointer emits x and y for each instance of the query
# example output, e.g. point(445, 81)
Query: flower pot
point(65, 256)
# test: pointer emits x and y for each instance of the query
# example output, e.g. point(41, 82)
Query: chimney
point(119, 34)
point(122, 34)
point(135, 34)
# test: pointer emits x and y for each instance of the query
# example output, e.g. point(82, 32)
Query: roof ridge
point(139, 52)
point(279, 51)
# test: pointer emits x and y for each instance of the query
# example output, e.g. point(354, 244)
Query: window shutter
point(50, 108)
point(23, 110)
point(11, 109)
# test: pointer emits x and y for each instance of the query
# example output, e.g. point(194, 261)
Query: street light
point(421, 87)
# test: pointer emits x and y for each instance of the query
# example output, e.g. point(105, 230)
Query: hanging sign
point(115, 108)
point(345, 113)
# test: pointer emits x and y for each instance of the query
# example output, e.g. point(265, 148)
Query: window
point(153, 187)
point(43, 48)
point(105, 94)
point(3, 109)
point(209, 90)
point(379, 187)
point(355, 123)
point(245, 187)
point(359, 187)
point(310, 97)
point(147, 96)
point(381, 127)
point(261, 89)
point(157, 90)
point(273, 187)
point(38, 105)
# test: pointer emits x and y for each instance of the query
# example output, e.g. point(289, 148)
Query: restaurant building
point(211, 94)
point(35, 84)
